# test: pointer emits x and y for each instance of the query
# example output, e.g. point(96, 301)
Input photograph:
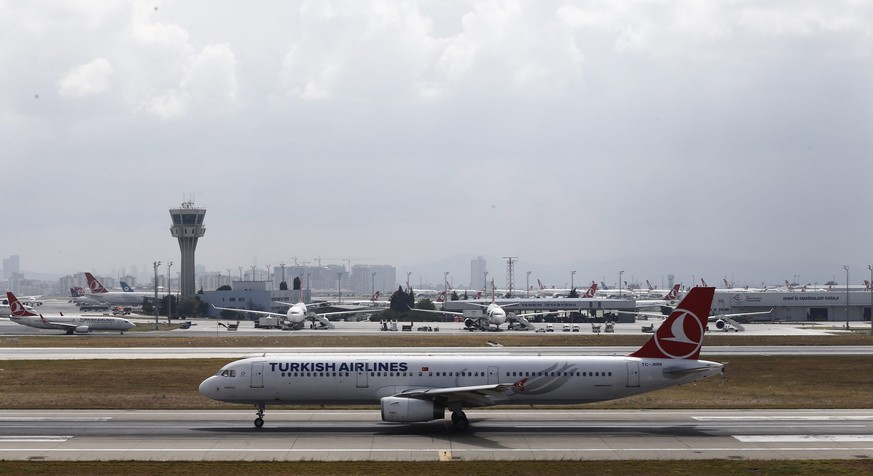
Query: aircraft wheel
point(459, 420)
point(259, 422)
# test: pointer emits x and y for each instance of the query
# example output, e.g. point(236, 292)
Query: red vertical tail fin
point(592, 290)
point(16, 307)
point(673, 294)
point(681, 334)
point(94, 285)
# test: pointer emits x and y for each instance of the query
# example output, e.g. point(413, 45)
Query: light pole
point(870, 267)
point(253, 273)
point(619, 283)
point(373, 285)
point(268, 273)
point(846, 267)
point(572, 274)
point(485, 284)
point(446, 285)
point(169, 294)
point(156, 264)
point(240, 272)
point(527, 283)
point(229, 278)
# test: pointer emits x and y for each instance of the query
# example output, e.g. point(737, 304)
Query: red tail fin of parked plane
point(592, 290)
point(649, 285)
point(16, 308)
point(727, 285)
point(673, 294)
point(94, 285)
point(681, 335)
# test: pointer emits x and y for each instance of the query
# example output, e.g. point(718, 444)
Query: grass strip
point(753, 382)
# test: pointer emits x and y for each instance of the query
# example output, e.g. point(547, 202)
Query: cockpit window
point(228, 373)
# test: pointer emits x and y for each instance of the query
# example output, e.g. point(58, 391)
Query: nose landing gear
point(259, 421)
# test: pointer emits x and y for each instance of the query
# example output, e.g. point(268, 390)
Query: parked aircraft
point(494, 314)
point(68, 324)
point(6, 311)
point(420, 387)
point(665, 300)
point(298, 313)
point(114, 298)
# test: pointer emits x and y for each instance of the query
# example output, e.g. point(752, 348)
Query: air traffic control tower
point(187, 228)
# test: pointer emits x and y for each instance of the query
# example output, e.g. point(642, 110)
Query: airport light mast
point(870, 267)
point(156, 264)
point(846, 267)
point(187, 228)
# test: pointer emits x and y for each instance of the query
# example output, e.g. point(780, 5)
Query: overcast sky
point(408, 132)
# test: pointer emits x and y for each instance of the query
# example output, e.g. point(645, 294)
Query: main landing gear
point(459, 420)
point(259, 421)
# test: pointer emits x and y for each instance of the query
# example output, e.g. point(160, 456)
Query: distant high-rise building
point(368, 278)
point(478, 268)
point(187, 228)
point(11, 266)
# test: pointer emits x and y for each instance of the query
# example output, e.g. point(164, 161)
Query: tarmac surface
point(496, 435)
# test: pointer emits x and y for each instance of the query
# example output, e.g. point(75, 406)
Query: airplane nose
point(207, 387)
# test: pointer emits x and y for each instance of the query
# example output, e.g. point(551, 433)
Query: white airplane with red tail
point(68, 324)
point(419, 387)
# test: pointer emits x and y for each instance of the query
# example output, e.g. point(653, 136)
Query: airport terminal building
point(798, 306)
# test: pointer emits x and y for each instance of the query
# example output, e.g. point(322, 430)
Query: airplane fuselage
point(365, 378)
point(66, 323)
point(119, 298)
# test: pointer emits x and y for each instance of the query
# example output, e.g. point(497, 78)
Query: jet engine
point(82, 329)
point(405, 410)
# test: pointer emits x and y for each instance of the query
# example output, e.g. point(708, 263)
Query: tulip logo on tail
point(681, 335)
point(94, 285)
point(684, 338)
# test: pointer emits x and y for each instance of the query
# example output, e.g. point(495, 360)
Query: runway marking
point(55, 418)
point(802, 438)
point(436, 450)
point(34, 439)
point(785, 418)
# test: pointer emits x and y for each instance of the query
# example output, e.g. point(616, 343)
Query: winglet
point(681, 334)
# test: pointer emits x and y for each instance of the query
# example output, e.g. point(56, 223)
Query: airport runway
point(73, 353)
point(497, 435)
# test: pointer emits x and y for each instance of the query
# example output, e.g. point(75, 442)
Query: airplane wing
point(453, 313)
point(473, 396)
point(336, 313)
point(265, 313)
point(526, 314)
point(58, 325)
point(647, 314)
point(739, 314)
